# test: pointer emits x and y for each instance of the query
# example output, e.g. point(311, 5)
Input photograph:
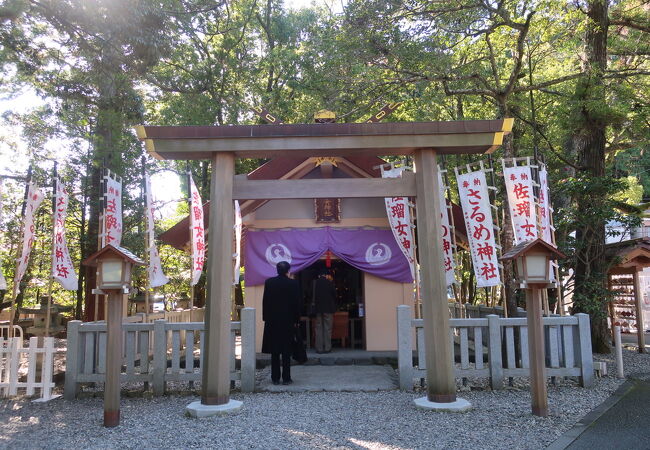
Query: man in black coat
point(324, 308)
point(281, 314)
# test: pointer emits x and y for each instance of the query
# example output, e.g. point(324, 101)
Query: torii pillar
point(215, 382)
point(441, 381)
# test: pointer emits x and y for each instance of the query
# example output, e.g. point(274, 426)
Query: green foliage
point(102, 67)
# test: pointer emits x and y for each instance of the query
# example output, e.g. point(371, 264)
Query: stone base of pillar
point(199, 410)
point(460, 405)
point(47, 399)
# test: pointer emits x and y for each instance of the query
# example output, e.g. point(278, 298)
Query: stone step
point(344, 378)
point(337, 357)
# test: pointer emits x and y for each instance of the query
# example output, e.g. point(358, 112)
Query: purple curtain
point(371, 250)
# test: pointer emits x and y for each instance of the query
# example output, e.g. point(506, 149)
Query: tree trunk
point(589, 141)
point(507, 233)
point(106, 144)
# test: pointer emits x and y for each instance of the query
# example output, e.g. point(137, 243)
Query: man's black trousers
point(286, 366)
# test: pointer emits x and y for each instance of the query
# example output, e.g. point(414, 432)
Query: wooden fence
point(36, 360)
point(172, 357)
point(185, 315)
point(496, 348)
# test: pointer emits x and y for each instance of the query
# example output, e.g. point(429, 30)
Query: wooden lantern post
point(533, 274)
point(114, 265)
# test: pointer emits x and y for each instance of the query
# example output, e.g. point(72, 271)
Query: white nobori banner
point(237, 254)
point(112, 226)
point(475, 201)
point(399, 218)
point(156, 275)
point(34, 198)
point(519, 187)
point(62, 268)
point(197, 232)
point(447, 248)
point(545, 211)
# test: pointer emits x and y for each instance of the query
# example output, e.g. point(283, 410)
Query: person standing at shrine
point(281, 314)
point(324, 307)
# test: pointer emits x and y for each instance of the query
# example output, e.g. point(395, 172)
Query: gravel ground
point(386, 419)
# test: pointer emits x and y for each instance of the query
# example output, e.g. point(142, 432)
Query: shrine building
point(350, 236)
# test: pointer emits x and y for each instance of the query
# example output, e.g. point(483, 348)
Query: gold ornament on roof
point(326, 160)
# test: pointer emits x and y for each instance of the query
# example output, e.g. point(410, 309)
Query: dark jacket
point(280, 312)
point(324, 296)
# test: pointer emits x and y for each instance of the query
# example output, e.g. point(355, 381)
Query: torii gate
point(423, 140)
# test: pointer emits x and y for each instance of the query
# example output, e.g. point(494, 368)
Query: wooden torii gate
point(222, 144)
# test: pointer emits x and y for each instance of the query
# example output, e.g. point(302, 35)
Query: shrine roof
point(285, 167)
point(329, 139)
point(633, 253)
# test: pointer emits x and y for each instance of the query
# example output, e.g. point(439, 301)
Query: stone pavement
point(332, 378)
point(624, 425)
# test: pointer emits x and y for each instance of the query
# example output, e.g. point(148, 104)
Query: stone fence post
point(494, 358)
point(71, 387)
point(248, 356)
point(159, 357)
point(404, 347)
point(586, 356)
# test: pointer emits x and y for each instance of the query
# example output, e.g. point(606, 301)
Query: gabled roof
point(284, 167)
point(526, 246)
point(119, 251)
point(633, 253)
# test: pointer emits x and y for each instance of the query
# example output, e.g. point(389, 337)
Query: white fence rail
point(18, 332)
point(172, 357)
point(496, 348)
point(16, 359)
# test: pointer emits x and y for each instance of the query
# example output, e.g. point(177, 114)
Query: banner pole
point(189, 203)
point(147, 238)
point(51, 277)
point(14, 292)
point(452, 232)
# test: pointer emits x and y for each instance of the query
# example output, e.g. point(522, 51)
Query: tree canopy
point(574, 75)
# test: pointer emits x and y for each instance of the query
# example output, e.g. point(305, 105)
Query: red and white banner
point(197, 232)
point(237, 254)
point(3, 282)
point(62, 268)
point(399, 218)
point(34, 198)
point(447, 249)
point(519, 187)
point(156, 275)
point(545, 210)
point(475, 201)
point(112, 226)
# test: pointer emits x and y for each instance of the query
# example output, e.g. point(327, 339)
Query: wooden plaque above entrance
point(329, 139)
point(327, 210)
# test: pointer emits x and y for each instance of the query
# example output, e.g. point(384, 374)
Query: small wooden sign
point(327, 210)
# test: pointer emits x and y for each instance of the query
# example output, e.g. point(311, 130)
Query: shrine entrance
point(423, 140)
point(349, 320)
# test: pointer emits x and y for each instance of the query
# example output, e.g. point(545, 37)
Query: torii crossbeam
point(423, 140)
